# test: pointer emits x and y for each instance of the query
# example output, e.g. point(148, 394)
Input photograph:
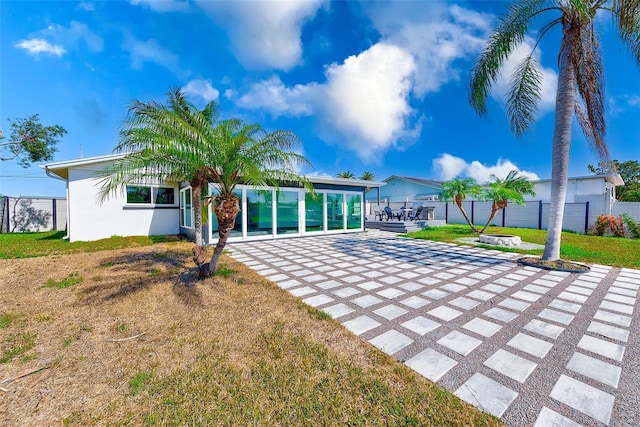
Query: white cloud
point(264, 34)
point(436, 34)
point(201, 89)
point(363, 105)
point(448, 167)
point(38, 46)
point(86, 6)
point(549, 82)
point(150, 51)
point(163, 5)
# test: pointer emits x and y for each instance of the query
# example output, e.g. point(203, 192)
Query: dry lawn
point(139, 342)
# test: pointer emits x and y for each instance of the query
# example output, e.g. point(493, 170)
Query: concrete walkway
point(531, 346)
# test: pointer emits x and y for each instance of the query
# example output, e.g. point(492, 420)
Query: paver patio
point(534, 347)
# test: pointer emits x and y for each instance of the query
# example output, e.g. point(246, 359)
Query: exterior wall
point(90, 220)
point(576, 187)
point(399, 190)
point(35, 214)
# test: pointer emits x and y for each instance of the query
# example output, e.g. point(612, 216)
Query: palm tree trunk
point(565, 107)
point(226, 210)
point(494, 211)
point(196, 202)
point(464, 214)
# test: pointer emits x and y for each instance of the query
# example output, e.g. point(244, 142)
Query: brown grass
point(228, 350)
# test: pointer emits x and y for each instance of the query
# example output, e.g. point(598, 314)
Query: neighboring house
point(405, 189)
point(166, 208)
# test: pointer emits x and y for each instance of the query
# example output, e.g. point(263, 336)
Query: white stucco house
point(165, 208)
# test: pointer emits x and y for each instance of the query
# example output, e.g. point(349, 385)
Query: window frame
point(153, 197)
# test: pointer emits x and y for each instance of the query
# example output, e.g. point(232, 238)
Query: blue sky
point(367, 86)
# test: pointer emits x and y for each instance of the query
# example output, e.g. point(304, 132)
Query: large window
point(335, 211)
point(314, 212)
point(287, 212)
point(185, 208)
point(259, 212)
point(150, 195)
point(354, 211)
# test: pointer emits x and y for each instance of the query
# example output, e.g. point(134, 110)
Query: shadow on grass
point(58, 235)
point(186, 290)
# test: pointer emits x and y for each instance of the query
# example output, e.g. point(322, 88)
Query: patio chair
point(377, 212)
point(389, 213)
point(415, 214)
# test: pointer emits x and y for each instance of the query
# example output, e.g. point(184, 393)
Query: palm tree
point(368, 176)
point(345, 174)
point(166, 143)
point(458, 190)
point(247, 154)
point(501, 191)
point(580, 80)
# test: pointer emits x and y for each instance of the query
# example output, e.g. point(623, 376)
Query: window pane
point(187, 207)
point(354, 211)
point(287, 212)
point(165, 196)
point(259, 212)
point(138, 194)
point(313, 212)
point(335, 213)
point(237, 228)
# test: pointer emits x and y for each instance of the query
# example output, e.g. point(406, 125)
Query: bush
point(632, 227)
point(609, 224)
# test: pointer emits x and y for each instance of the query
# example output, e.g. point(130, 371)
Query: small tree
point(501, 191)
point(345, 174)
point(368, 176)
point(458, 190)
point(30, 141)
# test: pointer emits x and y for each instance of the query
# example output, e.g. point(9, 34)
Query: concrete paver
point(531, 346)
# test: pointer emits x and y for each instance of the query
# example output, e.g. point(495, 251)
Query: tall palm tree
point(345, 174)
point(580, 80)
point(501, 191)
point(166, 143)
point(247, 154)
point(368, 176)
point(458, 190)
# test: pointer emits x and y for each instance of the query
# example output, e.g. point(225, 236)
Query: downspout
point(53, 175)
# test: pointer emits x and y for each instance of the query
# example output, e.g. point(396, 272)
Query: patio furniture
point(389, 213)
point(377, 212)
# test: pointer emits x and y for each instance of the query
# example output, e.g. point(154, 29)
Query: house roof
point(614, 179)
point(60, 170)
point(419, 181)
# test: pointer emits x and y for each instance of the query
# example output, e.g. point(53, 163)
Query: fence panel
point(574, 217)
point(33, 214)
point(630, 208)
point(522, 216)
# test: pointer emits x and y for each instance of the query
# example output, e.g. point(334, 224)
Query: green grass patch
point(613, 251)
point(224, 271)
point(29, 245)
point(67, 282)
point(17, 345)
point(139, 382)
point(6, 319)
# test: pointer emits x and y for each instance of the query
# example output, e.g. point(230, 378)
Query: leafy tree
point(30, 141)
point(177, 142)
point(580, 80)
point(345, 174)
point(368, 176)
point(458, 190)
point(630, 173)
point(501, 191)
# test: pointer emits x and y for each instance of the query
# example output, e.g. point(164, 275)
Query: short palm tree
point(580, 80)
point(368, 176)
point(345, 174)
point(458, 190)
point(247, 154)
point(166, 143)
point(500, 191)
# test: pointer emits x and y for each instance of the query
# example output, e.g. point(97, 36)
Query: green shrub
point(632, 227)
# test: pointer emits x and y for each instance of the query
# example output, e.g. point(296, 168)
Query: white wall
point(90, 220)
point(630, 208)
point(575, 187)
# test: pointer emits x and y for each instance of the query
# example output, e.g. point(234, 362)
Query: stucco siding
point(91, 220)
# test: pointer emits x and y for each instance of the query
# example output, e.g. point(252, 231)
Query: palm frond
point(524, 94)
point(502, 42)
point(627, 16)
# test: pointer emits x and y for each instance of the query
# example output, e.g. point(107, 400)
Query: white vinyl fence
point(578, 217)
point(19, 214)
